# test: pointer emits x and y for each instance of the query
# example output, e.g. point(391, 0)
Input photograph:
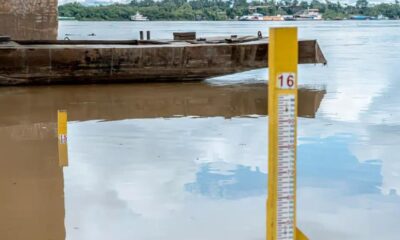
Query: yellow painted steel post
point(282, 107)
point(62, 138)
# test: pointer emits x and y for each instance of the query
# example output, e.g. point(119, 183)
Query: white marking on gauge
point(286, 161)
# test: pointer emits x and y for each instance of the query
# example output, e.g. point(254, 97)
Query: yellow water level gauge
point(282, 107)
point(62, 121)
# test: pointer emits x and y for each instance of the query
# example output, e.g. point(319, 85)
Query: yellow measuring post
point(62, 117)
point(282, 111)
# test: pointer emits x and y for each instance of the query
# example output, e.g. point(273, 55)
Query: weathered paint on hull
point(52, 62)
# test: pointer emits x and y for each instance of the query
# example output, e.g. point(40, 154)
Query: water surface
point(189, 161)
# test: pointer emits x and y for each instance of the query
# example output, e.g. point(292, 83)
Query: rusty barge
point(24, 62)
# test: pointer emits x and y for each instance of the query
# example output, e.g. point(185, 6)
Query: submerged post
point(282, 107)
point(62, 120)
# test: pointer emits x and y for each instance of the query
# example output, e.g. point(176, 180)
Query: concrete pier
point(29, 19)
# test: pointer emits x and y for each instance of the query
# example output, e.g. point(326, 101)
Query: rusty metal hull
point(53, 62)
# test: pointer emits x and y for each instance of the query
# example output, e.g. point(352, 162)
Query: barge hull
point(76, 62)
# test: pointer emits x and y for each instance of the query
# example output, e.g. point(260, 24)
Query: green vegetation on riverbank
point(223, 10)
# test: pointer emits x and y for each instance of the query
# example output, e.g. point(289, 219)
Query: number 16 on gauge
point(286, 81)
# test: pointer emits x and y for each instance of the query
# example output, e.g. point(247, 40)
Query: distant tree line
point(224, 10)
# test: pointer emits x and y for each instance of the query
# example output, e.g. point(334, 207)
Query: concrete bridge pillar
point(29, 19)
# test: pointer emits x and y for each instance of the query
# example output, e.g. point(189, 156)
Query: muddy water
point(188, 161)
point(112, 129)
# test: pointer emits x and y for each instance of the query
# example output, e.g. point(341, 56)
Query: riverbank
point(218, 10)
point(232, 20)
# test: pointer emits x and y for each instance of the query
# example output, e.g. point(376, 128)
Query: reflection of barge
point(51, 62)
point(137, 101)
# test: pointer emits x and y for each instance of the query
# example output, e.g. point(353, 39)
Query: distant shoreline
point(217, 10)
point(324, 20)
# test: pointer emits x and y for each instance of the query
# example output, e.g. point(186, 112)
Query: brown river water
point(189, 160)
